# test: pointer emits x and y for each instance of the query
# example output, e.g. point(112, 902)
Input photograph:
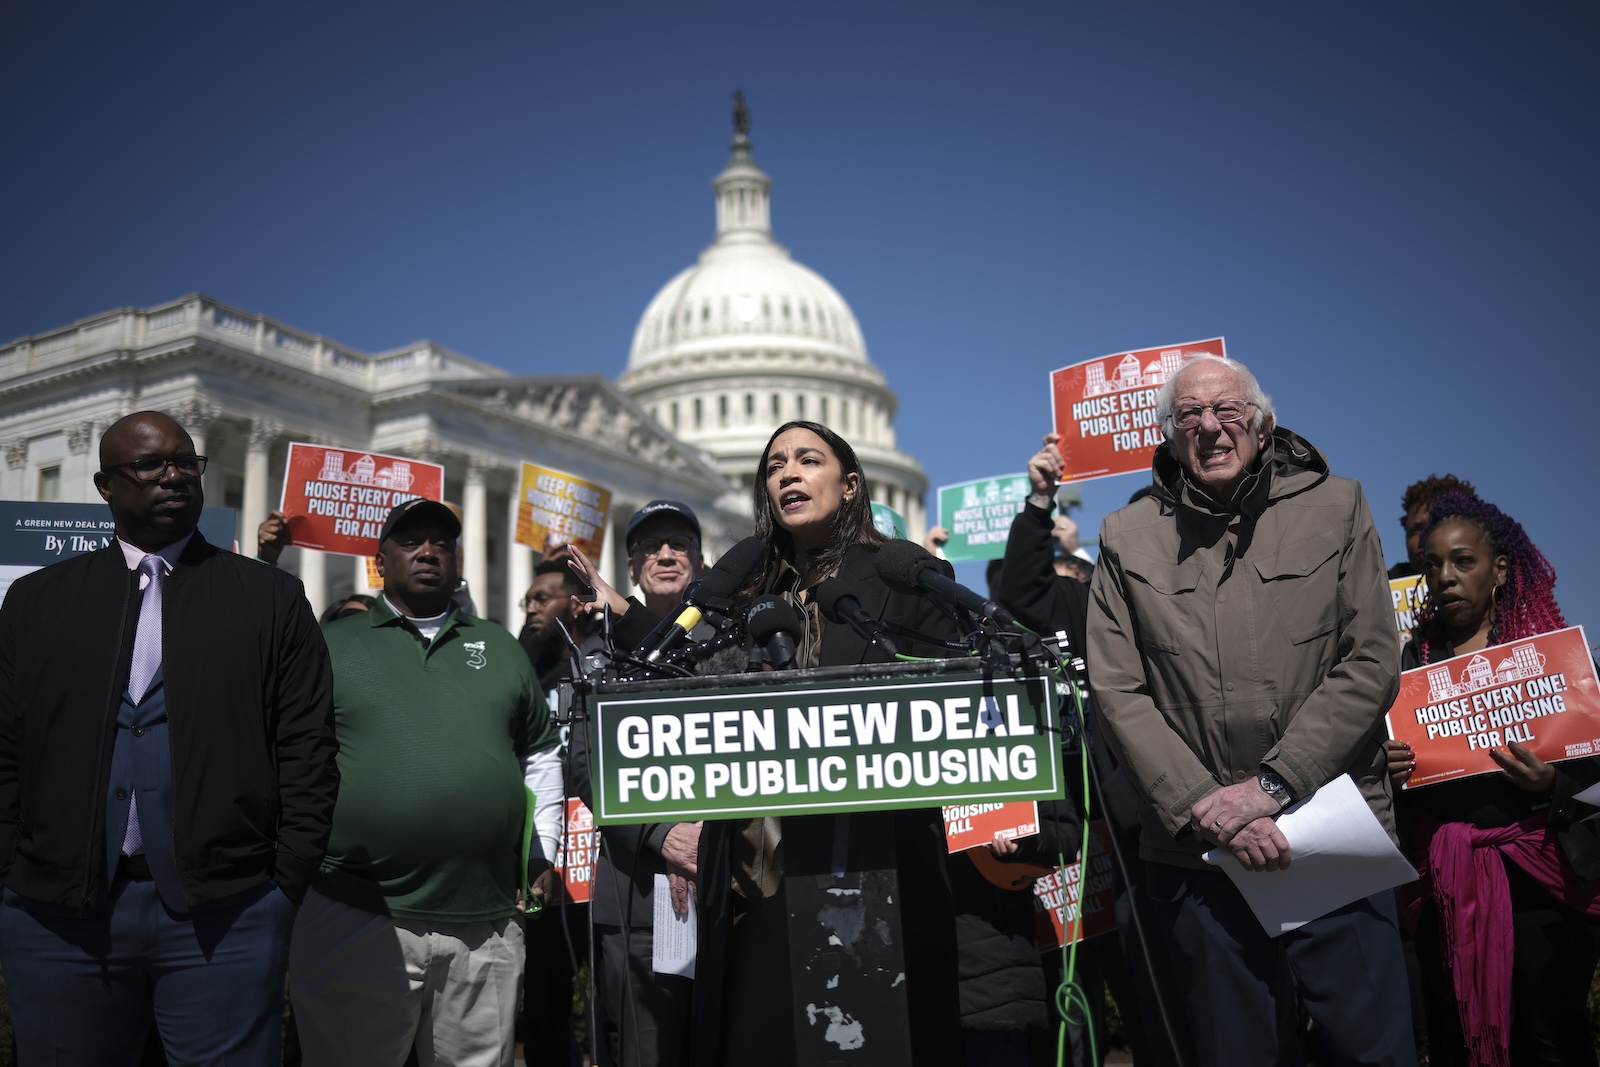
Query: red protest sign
point(336, 499)
point(1078, 901)
point(580, 847)
point(1105, 409)
point(1540, 692)
point(970, 825)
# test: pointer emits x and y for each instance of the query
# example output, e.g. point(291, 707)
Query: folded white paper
point(1338, 854)
point(673, 935)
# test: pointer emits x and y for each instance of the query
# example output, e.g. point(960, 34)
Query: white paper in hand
point(673, 935)
point(1338, 852)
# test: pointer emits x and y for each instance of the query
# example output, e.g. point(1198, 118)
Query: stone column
point(314, 573)
point(196, 416)
point(16, 460)
point(519, 569)
point(475, 532)
point(77, 477)
point(613, 561)
point(256, 481)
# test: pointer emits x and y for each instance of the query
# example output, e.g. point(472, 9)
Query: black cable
point(1133, 905)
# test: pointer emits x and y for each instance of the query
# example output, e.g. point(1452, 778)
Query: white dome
point(745, 292)
point(747, 339)
point(752, 295)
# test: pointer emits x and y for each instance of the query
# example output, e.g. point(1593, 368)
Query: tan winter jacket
point(1224, 639)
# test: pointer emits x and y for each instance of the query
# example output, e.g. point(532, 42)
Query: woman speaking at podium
point(814, 511)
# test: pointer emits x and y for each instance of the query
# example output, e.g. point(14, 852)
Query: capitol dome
point(747, 339)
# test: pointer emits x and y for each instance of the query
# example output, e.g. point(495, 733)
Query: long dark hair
point(852, 523)
point(1526, 604)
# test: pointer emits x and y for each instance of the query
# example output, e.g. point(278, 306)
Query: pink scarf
point(1464, 876)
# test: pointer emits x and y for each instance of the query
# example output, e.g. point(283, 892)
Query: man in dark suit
point(167, 778)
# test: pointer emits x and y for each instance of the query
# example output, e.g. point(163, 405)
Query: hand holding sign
point(1524, 770)
point(1044, 469)
point(1513, 708)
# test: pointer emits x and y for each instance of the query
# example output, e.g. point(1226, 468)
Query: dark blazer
point(250, 723)
point(928, 909)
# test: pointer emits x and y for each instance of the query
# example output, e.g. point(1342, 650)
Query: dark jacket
point(1046, 603)
point(927, 907)
point(250, 724)
point(1227, 638)
point(630, 857)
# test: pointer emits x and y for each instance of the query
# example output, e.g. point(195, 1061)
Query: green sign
point(889, 522)
point(978, 515)
point(822, 745)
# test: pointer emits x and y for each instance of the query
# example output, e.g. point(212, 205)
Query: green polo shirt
point(431, 739)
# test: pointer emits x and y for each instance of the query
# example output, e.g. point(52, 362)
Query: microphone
point(717, 588)
point(838, 604)
point(775, 627)
point(907, 566)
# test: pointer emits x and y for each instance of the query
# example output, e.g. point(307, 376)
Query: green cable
point(1070, 996)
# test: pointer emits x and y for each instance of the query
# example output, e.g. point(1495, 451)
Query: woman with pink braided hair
point(1506, 913)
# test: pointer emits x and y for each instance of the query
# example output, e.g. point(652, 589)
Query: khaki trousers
point(367, 987)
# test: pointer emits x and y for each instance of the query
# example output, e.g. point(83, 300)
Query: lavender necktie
point(146, 662)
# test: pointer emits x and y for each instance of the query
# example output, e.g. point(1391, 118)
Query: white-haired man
point(1243, 655)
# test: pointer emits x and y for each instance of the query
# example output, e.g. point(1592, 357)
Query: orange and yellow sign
point(1105, 409)
point(555, 508)
point(1540, 692)
point(1407, 595)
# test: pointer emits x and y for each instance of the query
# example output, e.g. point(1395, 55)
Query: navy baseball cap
point(420, 509)
point(661, 507)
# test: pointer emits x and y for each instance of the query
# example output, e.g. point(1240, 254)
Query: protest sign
point(580, 847)
point(888, 521)
point(978, 515)
point(35, 534)
point(1407, 594)
point(336, 499)
point(1105, 409)
point(700, 750)
point(1540, 692)
point(970, 825)
point(1078, 901)
point(555, 508)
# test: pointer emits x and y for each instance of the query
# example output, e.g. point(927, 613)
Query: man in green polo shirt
point(410, 933)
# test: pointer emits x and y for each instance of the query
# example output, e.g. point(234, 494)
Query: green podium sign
point(821, 741)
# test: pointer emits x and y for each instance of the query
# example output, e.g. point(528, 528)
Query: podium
point(845, 756)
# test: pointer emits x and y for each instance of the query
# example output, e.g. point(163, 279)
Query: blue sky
point(1388, 209)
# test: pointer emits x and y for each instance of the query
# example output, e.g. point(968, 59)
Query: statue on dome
point(741, 114)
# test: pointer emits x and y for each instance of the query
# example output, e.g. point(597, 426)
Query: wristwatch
point(1275, 787)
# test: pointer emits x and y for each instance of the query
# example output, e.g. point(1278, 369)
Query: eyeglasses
point(681, 545)
point(541, 599)
point(1187, 418)
point(154, 468)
